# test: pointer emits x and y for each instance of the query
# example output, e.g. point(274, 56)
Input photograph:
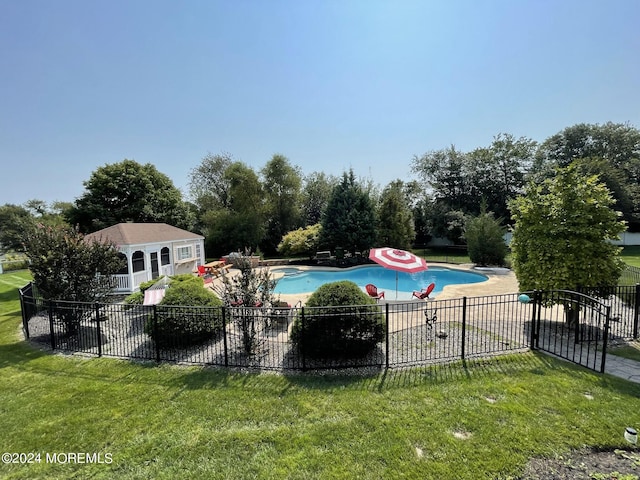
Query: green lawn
point(480, 420)
point(631, 255)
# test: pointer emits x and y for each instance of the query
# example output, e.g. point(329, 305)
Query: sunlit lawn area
point(631, 255)
point(480, 420)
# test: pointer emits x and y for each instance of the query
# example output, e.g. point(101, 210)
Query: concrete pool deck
point(499, 281)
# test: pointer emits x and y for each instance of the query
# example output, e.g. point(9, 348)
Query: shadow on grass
point(17, 354)
point(375, 379)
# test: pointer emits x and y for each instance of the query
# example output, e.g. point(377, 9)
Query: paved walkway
point(623, 368)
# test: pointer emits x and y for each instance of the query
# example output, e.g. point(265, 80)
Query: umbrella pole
point(396, 285)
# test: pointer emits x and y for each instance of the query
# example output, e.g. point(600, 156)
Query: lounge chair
point(424, 293)
point(372, 290)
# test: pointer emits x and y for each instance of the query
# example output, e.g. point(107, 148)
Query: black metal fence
point(630, 275)
point(572, 325)
point(413, 333)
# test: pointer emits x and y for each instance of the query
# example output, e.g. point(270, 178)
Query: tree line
point(277, 209)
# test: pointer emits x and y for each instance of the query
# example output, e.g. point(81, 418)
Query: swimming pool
point(295, 281)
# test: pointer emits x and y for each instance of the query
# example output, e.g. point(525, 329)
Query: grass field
point(631, 255)
point(479, 420)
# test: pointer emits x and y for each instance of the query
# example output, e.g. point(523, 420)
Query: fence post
point(386, 328)
point(53, 337)
point(636, 312)
point(464, 325)
point(25, 320)
point(606, 338)
point(98, 333)
point(533, 320)
point(155, 332)
point(303, 339)
point(224, 336)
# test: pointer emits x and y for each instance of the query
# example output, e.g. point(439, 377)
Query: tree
point(65, 266)
point(129, 192)
point(282, 186)
point(241, 224)
point(498, 173)
point(618, 143)
point(14, 220)
point(485, 239)
point(244, 292)
point(611, 150)
point(562, 233)
point(208, 185)
point(395, 220)
point(303, 241)
point(349, 219)
point(446, 173)
point(442, 222)
point(315, 196)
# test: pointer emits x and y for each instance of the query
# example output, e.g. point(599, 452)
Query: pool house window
point(164, 256)
point(183, 253)
point(137, 260)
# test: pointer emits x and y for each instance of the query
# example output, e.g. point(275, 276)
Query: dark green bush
point(340, 321)
point(485, 240)
point(188, 315)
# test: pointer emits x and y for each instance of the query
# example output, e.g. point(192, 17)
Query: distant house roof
point(142, 233)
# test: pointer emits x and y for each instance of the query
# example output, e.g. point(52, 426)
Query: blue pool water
point(306, 281)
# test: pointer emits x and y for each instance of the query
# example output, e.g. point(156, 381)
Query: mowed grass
point(484, 419)
point(631, 255)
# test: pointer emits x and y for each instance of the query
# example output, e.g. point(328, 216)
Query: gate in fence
point(571, 325)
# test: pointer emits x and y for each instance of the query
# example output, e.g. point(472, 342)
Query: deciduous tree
point(563, 228)
point(241, 224)
point(303, 241)
point(129, 192)
point(65, 266)
point(315, 196)
point(611, 150)
point(395, 220)
point(282, 187)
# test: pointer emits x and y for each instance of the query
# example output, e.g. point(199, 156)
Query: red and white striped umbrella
point(399, 260)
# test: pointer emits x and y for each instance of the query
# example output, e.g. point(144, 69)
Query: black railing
point(630, 275)
point(412, 333)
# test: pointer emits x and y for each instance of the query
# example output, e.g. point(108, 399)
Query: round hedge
point(186, 316)
point(340, 321)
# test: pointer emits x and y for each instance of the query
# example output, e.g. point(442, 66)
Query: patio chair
point(424, 293)
point(372, 290)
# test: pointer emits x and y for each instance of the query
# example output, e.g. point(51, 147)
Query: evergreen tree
point(349, 219)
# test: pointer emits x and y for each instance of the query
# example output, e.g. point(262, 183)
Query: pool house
point(151, 250)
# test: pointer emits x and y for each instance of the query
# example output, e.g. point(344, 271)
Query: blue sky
point(330, 84)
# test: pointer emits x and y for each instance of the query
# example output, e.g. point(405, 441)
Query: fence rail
point(414, 333)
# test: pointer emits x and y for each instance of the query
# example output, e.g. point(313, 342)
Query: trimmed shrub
point(485, 240)
point(189, 325)
point(340, 321)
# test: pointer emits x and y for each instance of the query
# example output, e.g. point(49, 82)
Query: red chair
point(201, 270)
point(372, 290)
point(422, 294)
